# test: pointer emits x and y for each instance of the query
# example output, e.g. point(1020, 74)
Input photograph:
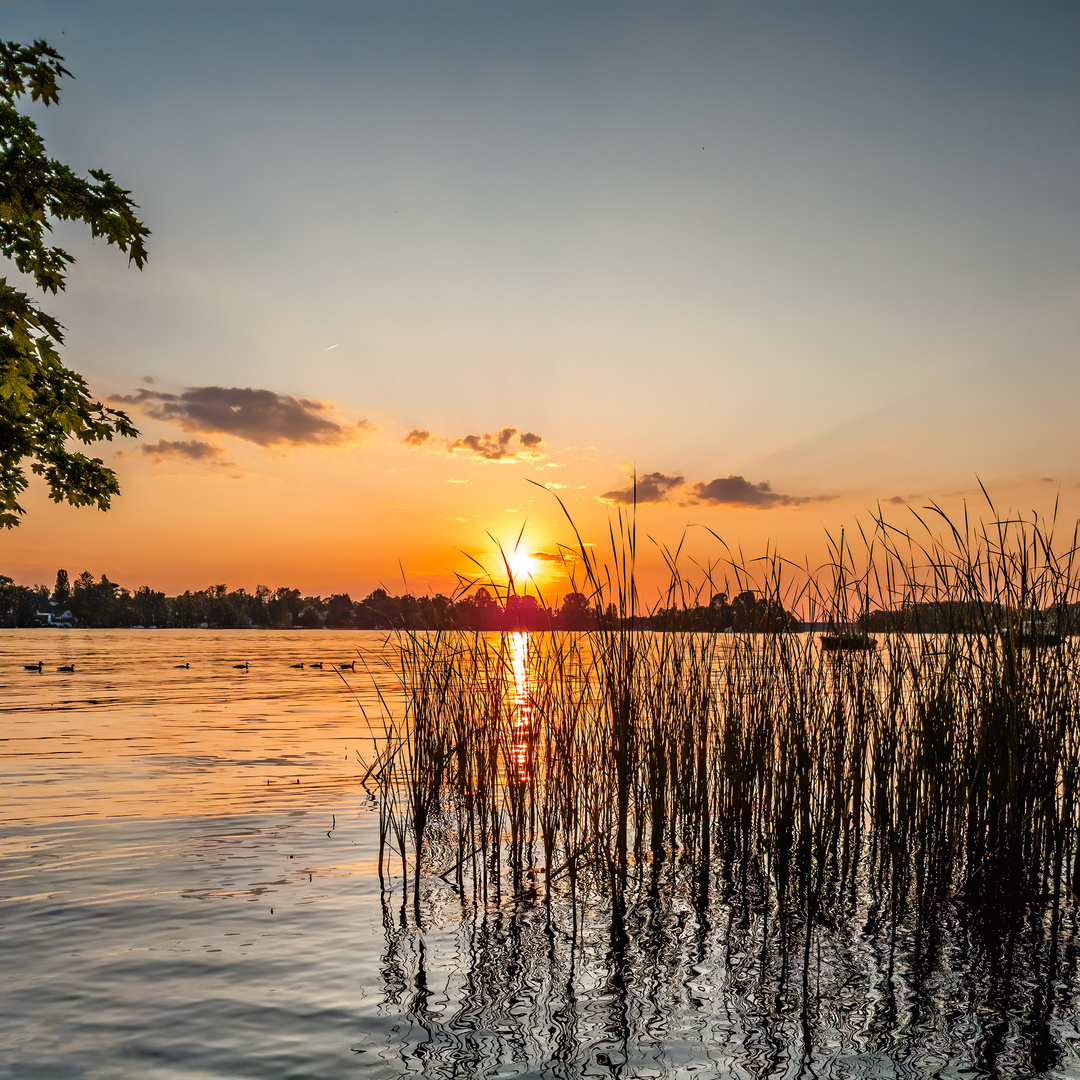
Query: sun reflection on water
point(522, 722)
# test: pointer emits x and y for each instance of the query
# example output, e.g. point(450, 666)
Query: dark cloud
point(192, 449)
point(658, 487)
point(417, 437)
point(897, 500)
point(737, 491)
point(653, 487)
point(259, 416)
point(500, 447)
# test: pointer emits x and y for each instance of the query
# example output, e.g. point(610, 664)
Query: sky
point(786, 263)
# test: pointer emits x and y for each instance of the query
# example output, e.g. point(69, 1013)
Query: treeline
point(968, 617)
point(100, 603)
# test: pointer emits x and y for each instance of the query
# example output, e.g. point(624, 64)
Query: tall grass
point(930, 781)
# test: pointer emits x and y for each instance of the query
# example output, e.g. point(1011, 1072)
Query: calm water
point(188, 888)
point(186, 883)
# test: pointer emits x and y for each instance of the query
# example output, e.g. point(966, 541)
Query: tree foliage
point(43, 404)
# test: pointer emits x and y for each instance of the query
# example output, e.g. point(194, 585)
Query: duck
point(187, 665)
point(350, 666)
point(66, 667)
point(241, 667)
point(300, 665)
point(318, 665)
point(33, 667)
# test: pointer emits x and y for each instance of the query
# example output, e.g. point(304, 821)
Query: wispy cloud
point(651, 487)
point(259, 416)
point(558, 557)
point(505, 445)
point(193, 450)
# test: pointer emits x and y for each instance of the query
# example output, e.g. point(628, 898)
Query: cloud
point(500, 447)
point(656, 487)
point(417, 437)
point(259, 416)
point(193, 450)
point(897, 500)
point(737, 491)
point(558, 557)
point(651, 488)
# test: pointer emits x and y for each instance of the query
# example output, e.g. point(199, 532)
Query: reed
point(928, 782)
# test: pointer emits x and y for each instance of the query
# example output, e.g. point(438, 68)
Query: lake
point(189, 888)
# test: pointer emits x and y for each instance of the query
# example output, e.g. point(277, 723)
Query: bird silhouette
point(351, 666)
point(187, 665)
point(66, 667)
point(319, 665)
point(300, 665)
point(33, 667)
point(241, 667)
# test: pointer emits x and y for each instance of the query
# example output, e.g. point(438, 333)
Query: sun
point(522, 565)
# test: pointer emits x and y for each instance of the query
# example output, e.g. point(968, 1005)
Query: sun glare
point(522, 565)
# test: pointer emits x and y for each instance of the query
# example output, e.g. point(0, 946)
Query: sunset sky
point(787, 261)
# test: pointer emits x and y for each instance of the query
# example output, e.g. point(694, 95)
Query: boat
point(847, 642)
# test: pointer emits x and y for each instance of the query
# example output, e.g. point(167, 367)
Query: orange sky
point(343, 519)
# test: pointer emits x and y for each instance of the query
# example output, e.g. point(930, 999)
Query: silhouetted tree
point(149, 607)
point(95, 604)
point(283, 607)
point(310, 616)
point(62, 592)
point(721, 617)
point(525, 613)
point(339, 611)
point(576, 613)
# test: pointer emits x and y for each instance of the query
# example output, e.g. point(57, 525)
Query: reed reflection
point(522, 985)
